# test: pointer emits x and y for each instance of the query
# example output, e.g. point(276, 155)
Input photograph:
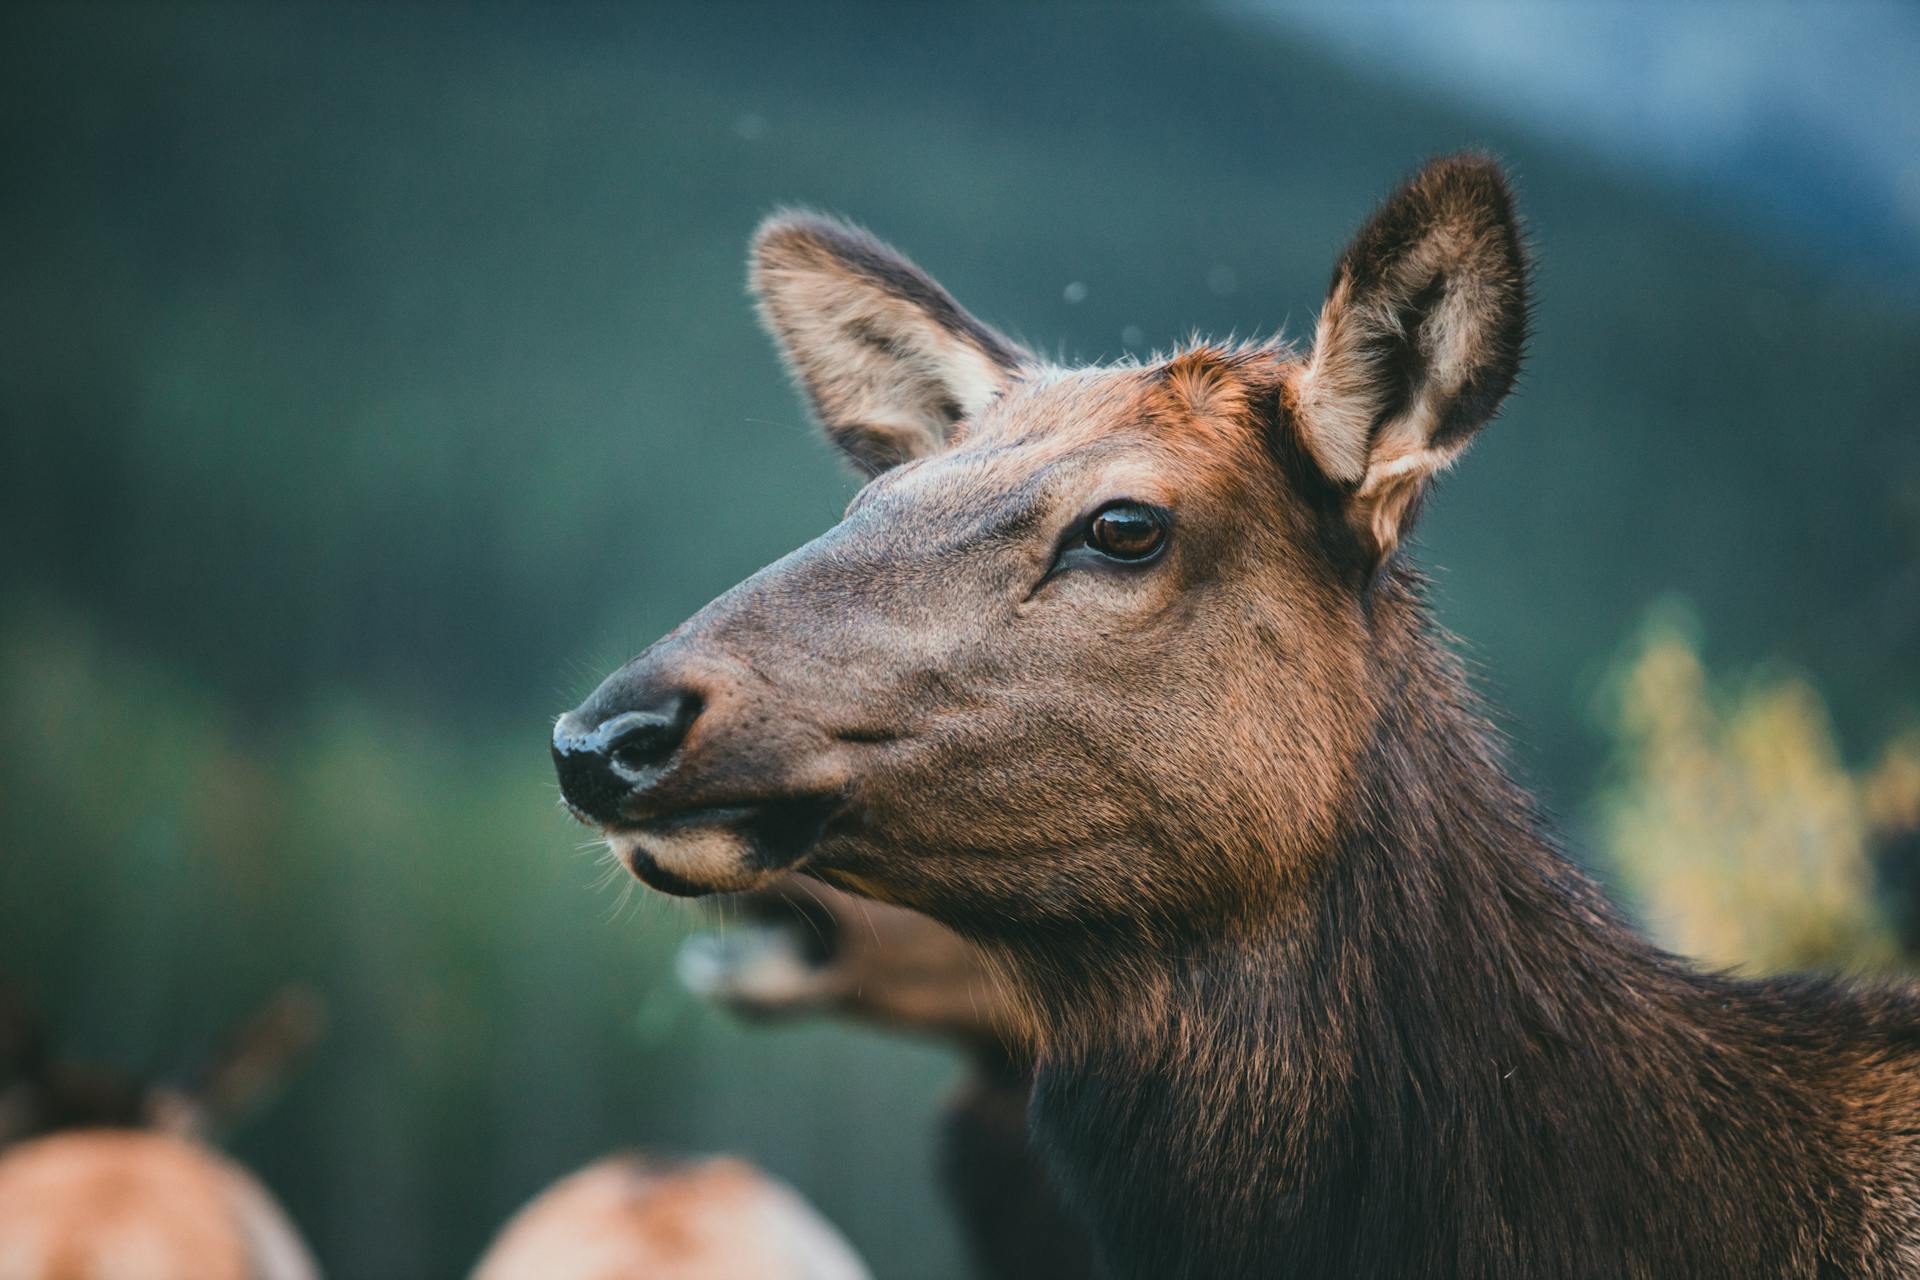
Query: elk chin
point(687, 861)
point(696, 852)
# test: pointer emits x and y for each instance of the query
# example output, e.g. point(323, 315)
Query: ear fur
point(888, 359)
point(1419, 341)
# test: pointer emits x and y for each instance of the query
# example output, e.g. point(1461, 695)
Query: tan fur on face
point(711, 855)
point(1060, 748)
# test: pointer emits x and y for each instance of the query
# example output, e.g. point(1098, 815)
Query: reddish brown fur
point(1314, 992)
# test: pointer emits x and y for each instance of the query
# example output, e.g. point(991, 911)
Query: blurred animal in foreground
point(114, 1203)
point(1737, 828)
point(799, 948)
point(632, 1217)
point(105, 1177)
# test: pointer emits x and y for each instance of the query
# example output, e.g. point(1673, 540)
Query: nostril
point(636, 741)
point(603, 766)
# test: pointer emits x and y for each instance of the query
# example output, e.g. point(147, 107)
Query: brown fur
point(1315, 993)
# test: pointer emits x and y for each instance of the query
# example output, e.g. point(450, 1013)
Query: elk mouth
point(700, 850)
point(773, 952)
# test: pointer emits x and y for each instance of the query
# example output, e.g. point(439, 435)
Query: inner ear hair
point(1418, 343)
point(888, 360)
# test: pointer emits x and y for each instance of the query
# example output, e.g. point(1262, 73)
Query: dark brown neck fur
point(1458, 1061)
point(1009, 1210)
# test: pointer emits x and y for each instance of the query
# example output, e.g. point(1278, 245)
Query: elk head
point(1095, 648)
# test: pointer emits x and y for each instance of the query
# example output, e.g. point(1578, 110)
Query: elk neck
point(1449, 1056)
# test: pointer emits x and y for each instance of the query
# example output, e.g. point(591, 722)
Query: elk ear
point(1418, 343)
point(889, 360)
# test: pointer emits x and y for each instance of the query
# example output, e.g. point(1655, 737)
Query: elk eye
point(1127, 531)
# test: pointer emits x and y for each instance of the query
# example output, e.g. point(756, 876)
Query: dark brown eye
point(1127, 531)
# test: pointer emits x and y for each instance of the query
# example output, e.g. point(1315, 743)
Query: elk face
point(1092, 644)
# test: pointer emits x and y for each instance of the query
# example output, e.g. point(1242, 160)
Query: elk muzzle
point(700, 778)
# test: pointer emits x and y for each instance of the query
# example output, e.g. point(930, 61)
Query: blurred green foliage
point(494, 1020)
point(376, 378)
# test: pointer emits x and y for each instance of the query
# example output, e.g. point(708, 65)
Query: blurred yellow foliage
point(1734, 824)
point(1892, 790)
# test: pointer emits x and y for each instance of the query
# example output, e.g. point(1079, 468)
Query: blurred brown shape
point(802, 948)
point(106, 1204)
point(43, 1091)
point(103, 1175)
point(632, 1216)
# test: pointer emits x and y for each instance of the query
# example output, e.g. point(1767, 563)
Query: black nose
point(603, 760)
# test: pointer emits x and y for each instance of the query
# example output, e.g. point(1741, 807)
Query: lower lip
point(767, 837)
point(655, 876)
point(777, 833)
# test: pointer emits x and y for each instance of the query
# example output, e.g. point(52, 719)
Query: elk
point(103, 1176)
point(800, 947)
point(636, 1216)
point(1125, 674)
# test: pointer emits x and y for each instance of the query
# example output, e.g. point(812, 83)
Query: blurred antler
point(254, 1062)
point(22, 1034)
point(23, 1052)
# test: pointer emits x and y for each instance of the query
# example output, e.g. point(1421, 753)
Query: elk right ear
point(888, 359)
point(1418, 343)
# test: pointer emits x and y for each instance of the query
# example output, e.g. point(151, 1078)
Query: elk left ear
point(890, 362)
point(1418, 343)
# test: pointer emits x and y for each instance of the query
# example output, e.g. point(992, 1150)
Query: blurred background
point(374, 379)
